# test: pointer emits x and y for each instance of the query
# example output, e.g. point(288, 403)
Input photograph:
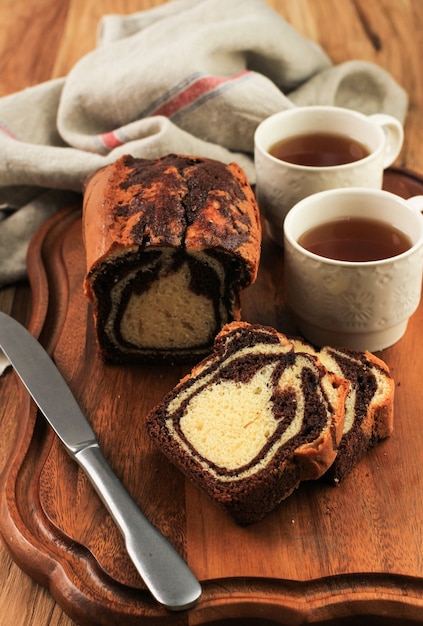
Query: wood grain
point(40, 39)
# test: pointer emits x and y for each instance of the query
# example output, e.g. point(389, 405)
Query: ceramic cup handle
point(394, 136)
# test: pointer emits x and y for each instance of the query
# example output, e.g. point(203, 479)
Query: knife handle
point(163, 570)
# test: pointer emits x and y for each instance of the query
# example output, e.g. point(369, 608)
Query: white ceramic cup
point(358, 305)
point(280, 184)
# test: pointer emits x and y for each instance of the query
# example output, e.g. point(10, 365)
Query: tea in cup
point(305, 150)
point(353, 266)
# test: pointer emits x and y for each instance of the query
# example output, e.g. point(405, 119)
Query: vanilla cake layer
point(172, 302)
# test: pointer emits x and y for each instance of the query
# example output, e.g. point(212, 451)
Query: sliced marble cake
point(369, 406)
point(252, 420)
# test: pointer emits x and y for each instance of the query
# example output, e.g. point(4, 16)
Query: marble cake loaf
point(170, 245)
point(252, 420)
point(369, 406)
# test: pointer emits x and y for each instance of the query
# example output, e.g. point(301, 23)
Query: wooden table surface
point(42, 39)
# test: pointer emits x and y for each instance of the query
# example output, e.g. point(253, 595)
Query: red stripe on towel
point(7, 132)
point(111, 140)
point(193, 92)
point(200, 88)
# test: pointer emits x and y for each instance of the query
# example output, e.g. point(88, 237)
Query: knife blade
point(165, 573)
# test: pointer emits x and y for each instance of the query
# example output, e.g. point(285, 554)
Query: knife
point(163, 570)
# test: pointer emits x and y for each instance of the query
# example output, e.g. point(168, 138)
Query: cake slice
point(369, 406)
point(170, 244)
point(252, 420)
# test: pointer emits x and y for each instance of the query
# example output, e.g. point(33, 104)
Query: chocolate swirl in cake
point(369, 405)
point(170, 244)
point(252, 420)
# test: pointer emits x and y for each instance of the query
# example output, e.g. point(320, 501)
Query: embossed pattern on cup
point(354, 301)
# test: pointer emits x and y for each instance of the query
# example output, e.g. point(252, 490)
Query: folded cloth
point(190, 76)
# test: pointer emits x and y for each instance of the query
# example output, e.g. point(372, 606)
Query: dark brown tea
point(319, 150)
point(355, 239)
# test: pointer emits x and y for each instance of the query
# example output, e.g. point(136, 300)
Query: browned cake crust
point(252, 421)
point(369, 406)
point(146, 221)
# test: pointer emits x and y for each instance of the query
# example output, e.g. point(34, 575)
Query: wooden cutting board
point(326, 553)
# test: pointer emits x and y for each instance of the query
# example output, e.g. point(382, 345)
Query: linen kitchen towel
point(190, 76)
